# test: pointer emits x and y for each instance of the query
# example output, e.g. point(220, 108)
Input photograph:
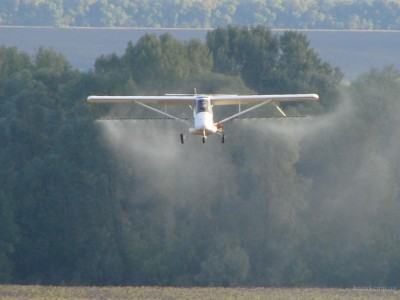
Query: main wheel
point(223, 138)
point(182, 138)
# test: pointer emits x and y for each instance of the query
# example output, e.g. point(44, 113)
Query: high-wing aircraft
point(202, 106)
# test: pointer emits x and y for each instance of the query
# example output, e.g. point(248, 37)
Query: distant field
point(354, 52)
point(42, 292)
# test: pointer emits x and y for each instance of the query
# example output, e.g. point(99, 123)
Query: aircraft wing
point(254, 99)
point(183, 99)
point(260, 100)
point(169, 99)
point(215, 99)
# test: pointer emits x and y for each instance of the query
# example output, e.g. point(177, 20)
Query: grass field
point(82, 46)
point(43, 292)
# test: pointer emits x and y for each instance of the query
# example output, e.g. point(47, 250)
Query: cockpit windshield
point(202, 105)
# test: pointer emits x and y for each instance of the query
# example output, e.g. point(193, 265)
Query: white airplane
point(202, 105)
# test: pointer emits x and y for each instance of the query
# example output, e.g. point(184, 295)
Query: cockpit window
point(202, 105)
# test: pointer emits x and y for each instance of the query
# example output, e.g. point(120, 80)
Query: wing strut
point(280, 109)
point(244, 111)
point(163, 113)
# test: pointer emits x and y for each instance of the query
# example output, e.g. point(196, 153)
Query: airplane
point(202, 106)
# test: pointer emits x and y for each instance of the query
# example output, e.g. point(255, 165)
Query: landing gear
point(203, 138)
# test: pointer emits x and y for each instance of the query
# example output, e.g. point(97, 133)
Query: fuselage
point(203, 118)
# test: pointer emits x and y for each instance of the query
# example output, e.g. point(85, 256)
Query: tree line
point(337, 14)
point(283, 203)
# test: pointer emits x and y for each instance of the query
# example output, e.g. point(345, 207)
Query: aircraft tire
point(223, 138)
point(182, 139)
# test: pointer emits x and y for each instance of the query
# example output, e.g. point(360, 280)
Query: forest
point(284, 202)
point(281, 14)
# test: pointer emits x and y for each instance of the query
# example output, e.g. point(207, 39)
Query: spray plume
point(277, 182)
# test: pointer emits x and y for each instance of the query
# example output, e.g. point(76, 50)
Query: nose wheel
point(220, 131)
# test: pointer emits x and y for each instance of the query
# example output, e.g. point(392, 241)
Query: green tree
point(300, 69)
point(351, 219)
point(273, 64)
point(11, 61)
point(339, 14)
point(8, 237)
point(307, 203)
point(226, 267)
point(199, 58)
point(61, 214)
